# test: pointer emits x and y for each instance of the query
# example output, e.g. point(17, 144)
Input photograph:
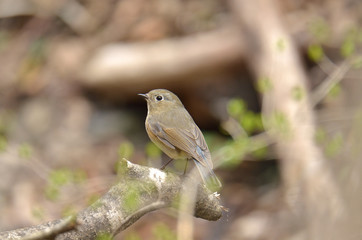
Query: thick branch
point(137, 64)
point(139, 190)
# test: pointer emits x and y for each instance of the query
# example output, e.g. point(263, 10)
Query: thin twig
point(62, 225)
point(335, 77)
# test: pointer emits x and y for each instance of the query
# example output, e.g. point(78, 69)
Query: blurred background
point(70, 72)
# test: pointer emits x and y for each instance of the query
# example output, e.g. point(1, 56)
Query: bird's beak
point(143, 95)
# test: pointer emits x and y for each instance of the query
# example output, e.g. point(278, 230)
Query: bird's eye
point(159, 98)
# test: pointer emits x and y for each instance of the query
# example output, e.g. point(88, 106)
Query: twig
point(335, 77)
point(58, 227)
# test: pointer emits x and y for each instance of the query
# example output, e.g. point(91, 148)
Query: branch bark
point(139, 191)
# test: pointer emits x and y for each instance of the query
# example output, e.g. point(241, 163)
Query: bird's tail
point(208, 176)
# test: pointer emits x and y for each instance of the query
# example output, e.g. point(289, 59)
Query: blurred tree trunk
point(310, 191)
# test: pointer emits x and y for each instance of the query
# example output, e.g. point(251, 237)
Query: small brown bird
point(172, 129)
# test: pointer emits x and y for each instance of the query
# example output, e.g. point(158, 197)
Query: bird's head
point(161, 100)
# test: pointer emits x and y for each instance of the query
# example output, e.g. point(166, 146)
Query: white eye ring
point(159, 98)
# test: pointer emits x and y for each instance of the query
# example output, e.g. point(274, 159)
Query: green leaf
point(236, 107)
point(52, 192)
point(152, 151)
point(279, 124)
point(260, 153)
point(264, 85)
point(348, 47)
point(248, 122)
point(315, 52)
point(251, 122)
point(125, 150)
point(60, 177)
point(258, 122)
point(25, 151)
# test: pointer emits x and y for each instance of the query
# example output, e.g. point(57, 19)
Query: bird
point(171, 128)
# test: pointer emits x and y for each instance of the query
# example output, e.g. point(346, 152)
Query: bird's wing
point(190, 141)
point(156, 130)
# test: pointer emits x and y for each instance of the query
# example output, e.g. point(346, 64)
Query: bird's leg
point(163, 167)
point(187, 161)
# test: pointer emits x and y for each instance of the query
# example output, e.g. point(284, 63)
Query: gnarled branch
point(140, 190)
